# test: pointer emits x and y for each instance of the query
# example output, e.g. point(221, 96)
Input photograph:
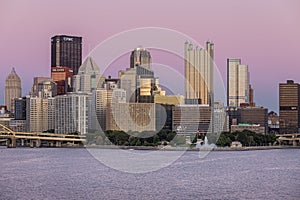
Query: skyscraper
point(199, 68)
point(62, 76)
point(39, 114)
point(138, 81)
point(66, 51)
point(237, 83)
point(20, 108)
point(289, 100)
point(140, 56)
point(36, 81)
point(13, 90)
point(88, 77)
point(103, 98)
point(71, 113)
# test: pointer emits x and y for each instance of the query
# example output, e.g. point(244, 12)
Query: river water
point(65, 173)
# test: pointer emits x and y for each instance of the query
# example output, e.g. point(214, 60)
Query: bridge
point(14, 139)
point(292, 138)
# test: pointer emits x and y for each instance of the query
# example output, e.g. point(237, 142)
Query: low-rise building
point(257, 128)
point(192, 119)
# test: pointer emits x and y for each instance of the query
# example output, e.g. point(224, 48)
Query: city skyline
point(259, 44)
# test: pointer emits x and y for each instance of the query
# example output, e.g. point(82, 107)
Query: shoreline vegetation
point(169, 140)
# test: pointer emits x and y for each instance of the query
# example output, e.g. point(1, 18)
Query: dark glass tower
point(289, 107)
point(66, 51)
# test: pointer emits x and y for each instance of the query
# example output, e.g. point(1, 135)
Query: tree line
point(166, 137)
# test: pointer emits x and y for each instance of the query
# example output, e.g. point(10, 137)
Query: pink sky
point(263, 33)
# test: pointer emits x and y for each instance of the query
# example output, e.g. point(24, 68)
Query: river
point(66, 173)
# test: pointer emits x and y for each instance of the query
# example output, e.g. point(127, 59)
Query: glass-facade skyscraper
point(66, 51)
point(289, 100)
point(237, 83)
point(199, 73)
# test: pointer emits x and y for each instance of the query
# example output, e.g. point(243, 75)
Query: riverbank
point(170, 148)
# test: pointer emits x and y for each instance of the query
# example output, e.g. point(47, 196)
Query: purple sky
point(263, 33)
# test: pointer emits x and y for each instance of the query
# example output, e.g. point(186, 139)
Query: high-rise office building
point(199, 68)
point(138, 81)
point(251, 96)
point(39, 114)
point(36, 81)
point(140, 56)
point(88, 77)
point(20, 108)
point(62, 76)
point(71, 113)
point(103, 98)
point(47, 89)
point(289, 100)
point(13, 90)
point(237, 83)
point(66, 51)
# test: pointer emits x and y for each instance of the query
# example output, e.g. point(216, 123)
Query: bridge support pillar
point(31, 144)
point(8, 141)
point(22, 143)
point(11, 143)
point(295, 143)
point(38, 143)
point(58, 144)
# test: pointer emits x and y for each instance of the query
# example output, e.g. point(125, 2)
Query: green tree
point(156, 139)
point(224, 140)
point(242, 138)
point(170, 136)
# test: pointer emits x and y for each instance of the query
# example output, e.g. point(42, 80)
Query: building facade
point(289, 114)
point(237, 83)
point(248, 115)
point(131, 117)
point(199, 68)
point(169, 99)
point(13, 90)
point(140, 84)
point(257, 128)
point(62, 76)
point(71, 113)
point(39, 114)
point(47, 89)
point(66, 51)
point(36, 81)
point(140, 56)
point(192, 119)
point(220, 118)
point(88, 77)
point(20, 108)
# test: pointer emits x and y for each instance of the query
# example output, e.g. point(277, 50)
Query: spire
point(13, 71)
point(89, 67)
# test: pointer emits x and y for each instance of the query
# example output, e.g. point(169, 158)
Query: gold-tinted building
point(237, 83)
point(199, 68)
point(169, 100)
point(289, 114)
point(130, 117)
